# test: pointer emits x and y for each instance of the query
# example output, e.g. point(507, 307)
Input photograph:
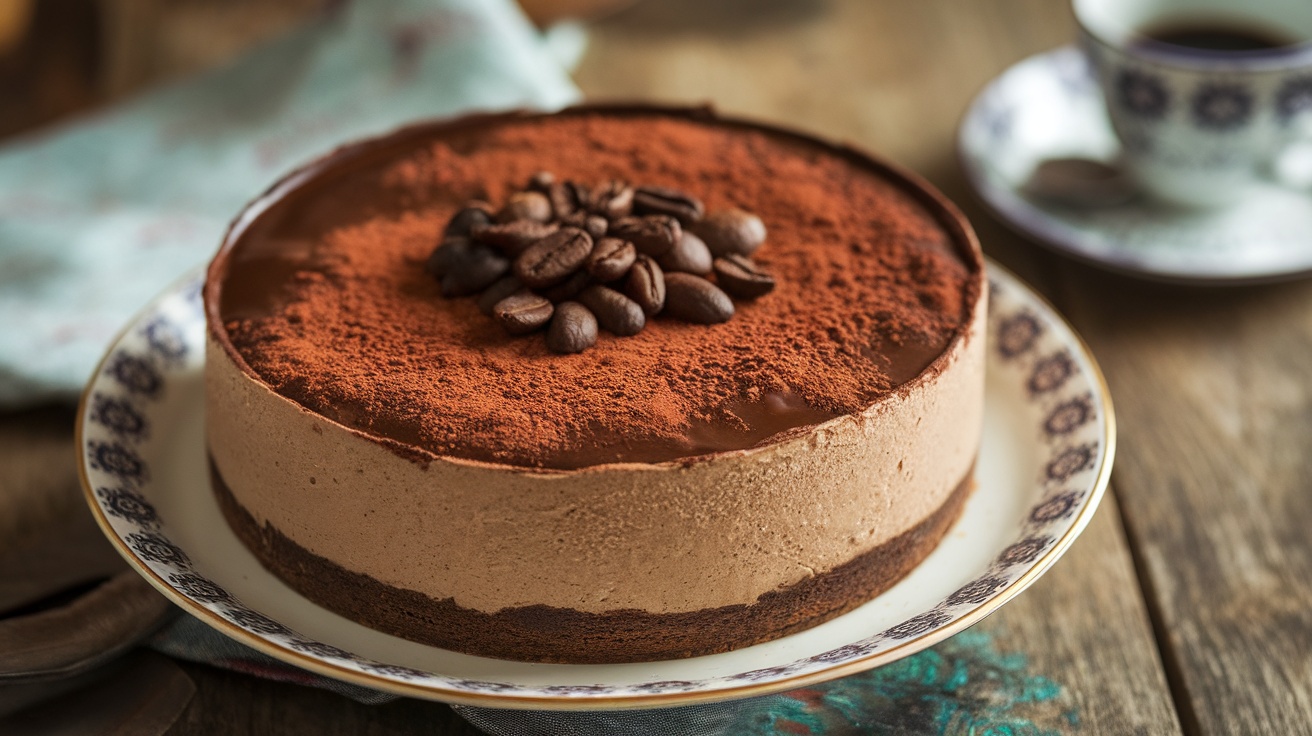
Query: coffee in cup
point(1205, 95)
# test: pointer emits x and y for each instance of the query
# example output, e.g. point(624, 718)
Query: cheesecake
point(404, 455)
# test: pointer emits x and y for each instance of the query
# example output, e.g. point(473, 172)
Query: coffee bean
point(646, 285)
point(566, 199)
point(581, 193)
point(532, 206)
point(450, 252)
point(513, 237)
point(502, 288)
point(573, 329)
point(694, 299)
point(652, 200)
point(614, 311)
point(612, 200)
point(472, 215)
point(731, 231)
point(595, 225)
point(611, 258)
point(552, 259)
point(741, 277)
point(523, 312)
point(569, 288)
point(653, 235)
point(473, 271)
point(563, 202)
point(690, 256)
point(541, 181)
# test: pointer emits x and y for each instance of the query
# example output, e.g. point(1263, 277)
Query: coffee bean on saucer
point(513, 237)
point(652, 200)
point(653, 235)
point(690, 256)
point(541, 181)
point(614, 311)
point(694, 299)
point(532, 206)
point(552, 259)
point(573, 329)
point(731, 231)
point(502, 288)
point(646, 285)
point(472, 215)
point(523, 312)
point(473, 271)
point(569, 288)
point(612, 200)
point(611, 258)
point(1080, 182)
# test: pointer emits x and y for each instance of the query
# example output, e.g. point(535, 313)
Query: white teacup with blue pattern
point(1199, 126)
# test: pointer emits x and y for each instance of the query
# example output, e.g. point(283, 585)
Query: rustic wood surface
point(1214, 483)
point(1187, 604)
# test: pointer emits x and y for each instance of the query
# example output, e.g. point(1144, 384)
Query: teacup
point(1204, 94)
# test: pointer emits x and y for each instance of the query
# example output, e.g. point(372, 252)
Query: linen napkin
point(99, 215)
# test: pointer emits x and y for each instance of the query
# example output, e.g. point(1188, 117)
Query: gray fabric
point(99, 215)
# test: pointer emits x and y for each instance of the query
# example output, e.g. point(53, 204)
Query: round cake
point(481, 479)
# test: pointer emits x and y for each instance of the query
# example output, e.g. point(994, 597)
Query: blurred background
point(838, 67)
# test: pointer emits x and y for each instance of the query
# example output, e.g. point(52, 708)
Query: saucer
point(1049, 106)
point(1044, 464)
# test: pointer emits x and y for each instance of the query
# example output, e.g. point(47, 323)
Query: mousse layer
point(547, 634)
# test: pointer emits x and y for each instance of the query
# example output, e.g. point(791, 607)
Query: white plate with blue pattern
point(1044, 464)
point(1050, 106)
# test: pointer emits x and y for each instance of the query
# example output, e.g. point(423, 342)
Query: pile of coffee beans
point(570, 259)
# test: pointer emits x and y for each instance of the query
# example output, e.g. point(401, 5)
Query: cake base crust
point(542, 633)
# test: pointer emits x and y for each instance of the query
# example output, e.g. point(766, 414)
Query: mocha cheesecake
point(400, 446)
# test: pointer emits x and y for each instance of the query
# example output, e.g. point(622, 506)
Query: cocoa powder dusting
point(326, 298)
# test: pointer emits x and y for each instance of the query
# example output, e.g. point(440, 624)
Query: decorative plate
point(1049, 106)
point(1045, 461)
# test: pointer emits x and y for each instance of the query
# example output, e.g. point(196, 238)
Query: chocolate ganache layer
point(402, 459)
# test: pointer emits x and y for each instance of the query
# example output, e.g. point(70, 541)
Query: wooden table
point(1187, 604)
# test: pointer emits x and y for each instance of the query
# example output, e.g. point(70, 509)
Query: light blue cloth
point(99, 215)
